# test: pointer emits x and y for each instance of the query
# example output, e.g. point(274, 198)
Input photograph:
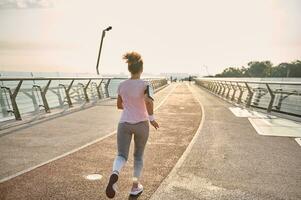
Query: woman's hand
point(154, 124)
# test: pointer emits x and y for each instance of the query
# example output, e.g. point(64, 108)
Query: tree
point(292, 69)
point(264, 69)
point(259, 69)
point(231, 72)
point(245, 72)
point(295, 69)
point(281, 70)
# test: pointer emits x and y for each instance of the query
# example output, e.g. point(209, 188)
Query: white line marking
point(75, 150)
point(93, 177)
point(163, 101)
point(298, 140)
point(188, 149)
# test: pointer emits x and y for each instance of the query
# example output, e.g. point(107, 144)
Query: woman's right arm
point(119, 103)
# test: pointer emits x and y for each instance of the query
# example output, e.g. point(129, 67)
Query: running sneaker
point(136, 190)
point(112, 187)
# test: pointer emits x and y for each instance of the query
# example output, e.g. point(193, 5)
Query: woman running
point(137, 108)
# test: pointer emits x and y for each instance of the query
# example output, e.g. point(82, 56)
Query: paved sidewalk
point(229, 160)
point(179, 117)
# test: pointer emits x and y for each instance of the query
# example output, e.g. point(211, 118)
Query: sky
point(185, 36)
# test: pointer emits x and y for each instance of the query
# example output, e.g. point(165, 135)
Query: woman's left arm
point(150, 109)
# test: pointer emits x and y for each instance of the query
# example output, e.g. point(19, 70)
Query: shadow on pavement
point(132, 197)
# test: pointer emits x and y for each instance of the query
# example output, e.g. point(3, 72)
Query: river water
point(29, 98)
point(287, 97)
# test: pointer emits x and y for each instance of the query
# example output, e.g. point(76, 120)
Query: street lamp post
point(100, 47)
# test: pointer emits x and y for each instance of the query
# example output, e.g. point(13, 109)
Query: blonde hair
point(134, 61)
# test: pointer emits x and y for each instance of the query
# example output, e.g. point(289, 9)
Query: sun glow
point(172, 36)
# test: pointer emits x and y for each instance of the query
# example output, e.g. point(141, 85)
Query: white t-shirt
point(132, 94)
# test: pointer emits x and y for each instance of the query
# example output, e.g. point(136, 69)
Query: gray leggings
point(124, 136)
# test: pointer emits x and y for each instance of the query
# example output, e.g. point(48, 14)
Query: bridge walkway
point(201, 151)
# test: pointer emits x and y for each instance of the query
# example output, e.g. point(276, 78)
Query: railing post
point(229, 89)
point(278, 107)
point(67, 90)
point(240, 94)
point(234, 92)
point(107, 87)
point(281, 98)
point(98, 87)
point(2, 102)
point(269, 109)
point(224, 89)
point(152, 82)
point(43, 95)
point(209, 85)
point(220, 88)
point(85, 91)
point(250, 95)
point(13, 96)
point(212, 86)
point(216, 87)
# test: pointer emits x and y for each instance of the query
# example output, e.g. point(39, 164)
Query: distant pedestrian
point(136, 100)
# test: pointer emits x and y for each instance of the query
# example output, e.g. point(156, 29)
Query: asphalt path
point(229, 160)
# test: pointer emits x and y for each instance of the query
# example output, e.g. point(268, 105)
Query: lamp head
point(109, 28)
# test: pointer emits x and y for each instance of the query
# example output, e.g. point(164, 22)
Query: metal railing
point(45, 93)
point(273, 96)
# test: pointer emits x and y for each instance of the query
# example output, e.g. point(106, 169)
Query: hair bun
point(132, 57)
